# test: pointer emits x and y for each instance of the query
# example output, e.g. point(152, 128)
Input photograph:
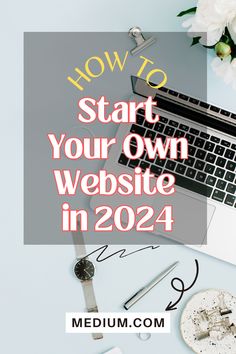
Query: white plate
point(207, 300)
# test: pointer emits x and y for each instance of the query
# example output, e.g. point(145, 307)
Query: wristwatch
point(84, 270)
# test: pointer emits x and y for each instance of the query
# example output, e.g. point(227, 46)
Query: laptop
point(205, 199)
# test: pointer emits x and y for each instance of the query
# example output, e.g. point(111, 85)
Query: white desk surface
point(37, 286)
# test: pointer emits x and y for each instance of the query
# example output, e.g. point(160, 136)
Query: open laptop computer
point(205, 182)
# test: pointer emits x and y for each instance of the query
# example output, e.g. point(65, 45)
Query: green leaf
point(187, 12)
point(233, 54)
point(195, 41)
point(227, 34)
point(225, 39)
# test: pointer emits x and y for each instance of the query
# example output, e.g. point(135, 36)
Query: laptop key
point(183, 97)
point(211, 181)
point(190, 161)
point(123, 160)
point(199, 165)
point(220, 161)
point(229, 200)
point(164, 89)
point(156, 170)
point(201, 154)
point(204, 104)
point(204, 135)
point(181, 169)
point(150, 134)
point(209, 169)
point(193, 100)
point(136, 129)
point(143, 155)
point(225, 113)
point(190, 138)
point(229, 154)
point(230, 166)
point(209, 146)
point(141, 111)
point(159, 127)
point(201, 176)
point(230, 176)
point(210, 158)
point(144, 165)
point(133, 163)
point(133, 149)
point(194, 131)
point(173, 93)
point(160, 162)
point(184, 127)
point(215, 109)
point(169, 131)
point(133, 141)
point(191, 172)
point(218, 195)
point(225, 143)
point(148, 124)
point(215, 139)
point(231, 188)
point(220, 184)
point(219, 150)
point(179, 157)
point(219, 172)
point(233, 146)
point(199, 142)
point(173, 123)
point(139, 119)
point(163, 119)
point(170, 165)
point(179, 134)
point(193, 186)
point(191, 150)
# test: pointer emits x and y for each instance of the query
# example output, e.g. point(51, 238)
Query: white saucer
point(207, 299)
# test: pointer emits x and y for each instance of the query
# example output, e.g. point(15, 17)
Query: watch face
point(84, 269)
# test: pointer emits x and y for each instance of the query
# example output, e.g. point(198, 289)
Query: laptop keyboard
point(209, 169)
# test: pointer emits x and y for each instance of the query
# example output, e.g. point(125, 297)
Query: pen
point(143, 291)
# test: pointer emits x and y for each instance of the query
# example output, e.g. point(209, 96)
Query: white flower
point(210, 20)
point(226, 70)
point(232, 29)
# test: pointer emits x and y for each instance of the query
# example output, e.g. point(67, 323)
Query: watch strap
point(78, 240)
point(89, 295)
point(91, 302)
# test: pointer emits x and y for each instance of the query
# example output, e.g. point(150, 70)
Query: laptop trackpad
point(192, 218)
